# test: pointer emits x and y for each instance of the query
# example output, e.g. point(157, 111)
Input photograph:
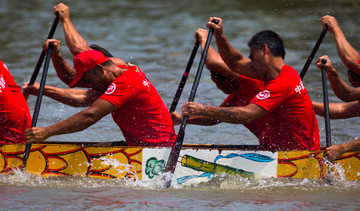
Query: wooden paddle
point(38, 101)
point(312, 54)
point(175, 150)
point(326, 104)
point(184, 78)
point(42, 55)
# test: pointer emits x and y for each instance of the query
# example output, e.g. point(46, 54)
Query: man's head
point(271, 39)
point(354, 78)
point(267, 53)
point(87, 61)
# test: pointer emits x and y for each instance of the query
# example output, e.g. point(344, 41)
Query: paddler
point(271, 100)
point(113, 87)
point(351, 95)
point(15, 116)
point(340, 110)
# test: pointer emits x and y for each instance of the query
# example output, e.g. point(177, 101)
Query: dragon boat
point(197, 162)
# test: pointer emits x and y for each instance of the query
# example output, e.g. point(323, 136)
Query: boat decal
point(213, 168)
point(154, 167)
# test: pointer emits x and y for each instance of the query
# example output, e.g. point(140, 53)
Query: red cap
point(85, 61)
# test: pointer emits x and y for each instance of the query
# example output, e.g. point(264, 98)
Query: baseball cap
point(85, 61)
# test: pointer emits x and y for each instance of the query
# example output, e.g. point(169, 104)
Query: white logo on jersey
point(146, 83)
point(263, 95)
point(2, 83)
point(111, 89)
point(5, 67)
point(299, 87)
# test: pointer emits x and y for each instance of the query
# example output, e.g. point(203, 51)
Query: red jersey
point(16, 89)
point(291, 121)
point(141, 115)
point(14, 112)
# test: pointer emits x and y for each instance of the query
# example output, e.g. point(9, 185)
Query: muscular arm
point(78, 122)
point(71, 97)
point(224, 78)
point(339, 110)
point(236, 115)
point(346, 52)
point(341, 89)
point(335, 151)
point(64, 70)
point(75, 42)
point(233, 58)
point(195, 119)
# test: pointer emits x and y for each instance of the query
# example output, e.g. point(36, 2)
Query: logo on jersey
point(111, 89)
point(2, 83)
point(263, 95)
point(5, 67)
point(146, 83)
point(299, 88)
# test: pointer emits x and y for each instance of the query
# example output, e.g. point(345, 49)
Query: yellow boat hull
point(196, 163)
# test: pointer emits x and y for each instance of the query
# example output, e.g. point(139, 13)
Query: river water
point(158, 37)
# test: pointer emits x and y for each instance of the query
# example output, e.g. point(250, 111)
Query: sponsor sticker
point(111, 89)
point(263, 95)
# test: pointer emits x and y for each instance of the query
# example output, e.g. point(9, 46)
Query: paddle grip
point(323, 61)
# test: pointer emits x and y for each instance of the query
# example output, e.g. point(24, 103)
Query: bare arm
point(72, 97)
point(236, 115)
point(231, 56)
point(346, 52)
point(341, 89)
point(64, 70)
point(224, 78)
point(193, 119)
point(335, 151)
point(339, 110)
point(75, 42)
point(78, 122)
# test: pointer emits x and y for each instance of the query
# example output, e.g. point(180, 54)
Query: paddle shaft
point(312, 54)
point(175, 150)
point(326, 105)
point(42, 55)
point(38, 101)
point(184, 78)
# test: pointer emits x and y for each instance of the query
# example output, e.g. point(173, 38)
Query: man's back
point(141, 114)
point(291, 121)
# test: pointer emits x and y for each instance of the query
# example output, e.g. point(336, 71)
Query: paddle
point(42, 55)
point(312, 54)
point(326, 104)
point(175, 150)
point(38, 101)
point(184, 78)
